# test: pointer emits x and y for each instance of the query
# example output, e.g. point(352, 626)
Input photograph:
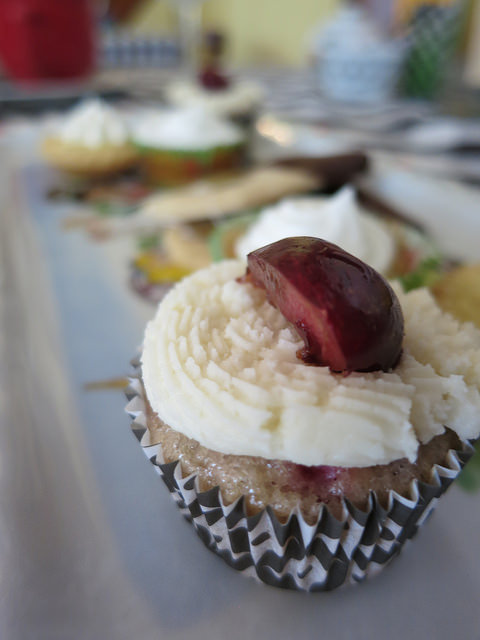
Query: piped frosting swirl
point(220, 366)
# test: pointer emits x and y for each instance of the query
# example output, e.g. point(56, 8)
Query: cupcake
point(237, 101)
point(214, 90)
point(92, 141)
point(306, 416)
point(182, 145)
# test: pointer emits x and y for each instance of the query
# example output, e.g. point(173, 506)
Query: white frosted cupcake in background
point(238, 100)
point(92, 141)
point(306, 477)
point(214, 90)
point(181, 145)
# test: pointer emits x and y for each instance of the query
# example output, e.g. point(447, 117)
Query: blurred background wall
point(278, 32)
point(259, 31)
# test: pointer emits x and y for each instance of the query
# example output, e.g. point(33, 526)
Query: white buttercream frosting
point(220, 366)
point(93, 123)
point(192, 129)
point(336, 218)
point(239, 97)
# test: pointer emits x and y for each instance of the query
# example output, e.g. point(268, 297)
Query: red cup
point(46, 39)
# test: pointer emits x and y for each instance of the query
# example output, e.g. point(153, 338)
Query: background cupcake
point(92, 141)
point(238, 100)
point(215, 90)
point(179, 146)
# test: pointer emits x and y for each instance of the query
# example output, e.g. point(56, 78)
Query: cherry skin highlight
point(347, 314)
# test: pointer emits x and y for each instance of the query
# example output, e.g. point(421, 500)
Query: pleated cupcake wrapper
point(294, 554)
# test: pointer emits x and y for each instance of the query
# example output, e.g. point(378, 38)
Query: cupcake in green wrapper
point(182, 145)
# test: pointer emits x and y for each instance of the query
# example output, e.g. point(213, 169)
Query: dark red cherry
point(346, 312)
point(213, 80)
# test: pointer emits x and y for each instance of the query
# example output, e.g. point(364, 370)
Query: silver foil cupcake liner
point(294, 554)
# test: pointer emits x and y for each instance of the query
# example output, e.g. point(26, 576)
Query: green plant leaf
point(424, 275)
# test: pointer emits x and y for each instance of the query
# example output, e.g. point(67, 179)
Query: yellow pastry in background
point(92, 141)
point(187, 245)
point(158, 269)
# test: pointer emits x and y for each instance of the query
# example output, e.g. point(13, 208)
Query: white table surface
point(91, 544)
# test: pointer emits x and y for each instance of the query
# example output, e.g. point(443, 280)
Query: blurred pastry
point(187, 245)
point(182, 145)
point(225, 195)
point(92, 141)
point(215, 90)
